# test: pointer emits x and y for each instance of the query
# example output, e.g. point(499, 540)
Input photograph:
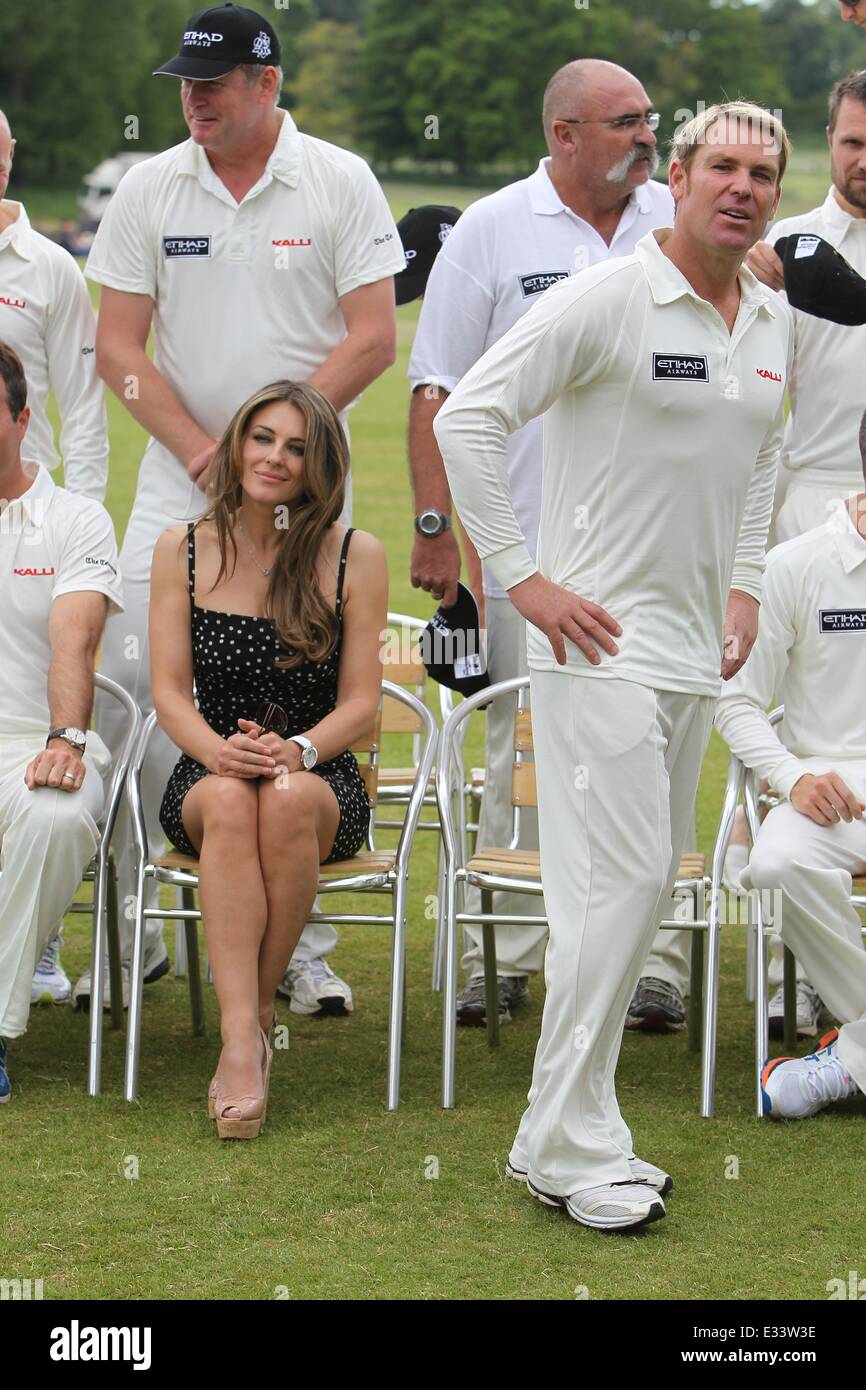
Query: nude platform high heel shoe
point(252, 1110)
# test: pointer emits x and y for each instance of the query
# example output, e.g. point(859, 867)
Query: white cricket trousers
point(520, 950)
point(811, 866)
point(48, 839)
point(617, 769)
point(165, 497)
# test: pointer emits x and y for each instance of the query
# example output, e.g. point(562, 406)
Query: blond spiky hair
point(696, 132)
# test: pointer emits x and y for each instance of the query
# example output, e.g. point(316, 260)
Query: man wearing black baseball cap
point(255, 252)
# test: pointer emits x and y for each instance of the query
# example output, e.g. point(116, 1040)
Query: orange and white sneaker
point(794, 1088)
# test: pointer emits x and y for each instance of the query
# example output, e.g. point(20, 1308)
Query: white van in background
point(99, 185)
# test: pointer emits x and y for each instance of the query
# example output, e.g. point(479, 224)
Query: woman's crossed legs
point(260, 843)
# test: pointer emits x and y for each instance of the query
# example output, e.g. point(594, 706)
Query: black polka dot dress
point(233, 665)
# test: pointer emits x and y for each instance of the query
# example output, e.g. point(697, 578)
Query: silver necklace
point(261, 569)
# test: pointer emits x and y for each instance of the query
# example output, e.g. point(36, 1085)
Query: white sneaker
point(650, 1176)
point(156, 965)
point(313, 988)
point(618, 1206)
point(810, 1008)
point(647, 1174)
point(50, 983)
point(793, 1088)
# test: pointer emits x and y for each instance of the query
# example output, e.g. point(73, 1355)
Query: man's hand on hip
point(741, 629)
point(435, 566)
point(560, 614)
point(58, 766)
point(826, 799)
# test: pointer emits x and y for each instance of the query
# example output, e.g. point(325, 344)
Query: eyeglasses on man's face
point(630, 122)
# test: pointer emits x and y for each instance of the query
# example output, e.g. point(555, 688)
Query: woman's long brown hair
point(307, 627)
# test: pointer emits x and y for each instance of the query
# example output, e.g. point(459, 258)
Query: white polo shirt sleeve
point(88, 560)
point(741, 716)
point(367, 247)
point(748, 568)
point(556, 345)
point(454, 322)
point(124, 253)
point(70, 346)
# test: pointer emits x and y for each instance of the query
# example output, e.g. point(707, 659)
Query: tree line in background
point(437, 85)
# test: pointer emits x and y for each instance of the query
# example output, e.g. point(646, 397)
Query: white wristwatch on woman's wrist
point(309, 754)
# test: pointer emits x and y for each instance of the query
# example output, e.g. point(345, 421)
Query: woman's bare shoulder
point(366, 547)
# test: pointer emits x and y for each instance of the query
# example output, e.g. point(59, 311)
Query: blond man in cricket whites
point(662, 376)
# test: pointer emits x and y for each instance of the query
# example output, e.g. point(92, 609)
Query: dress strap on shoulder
point(190, 553)
point(341, 573)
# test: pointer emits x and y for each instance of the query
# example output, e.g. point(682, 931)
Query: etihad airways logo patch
point(185, 246)
point(842, 619)
point(673, 366)
point(540, 281)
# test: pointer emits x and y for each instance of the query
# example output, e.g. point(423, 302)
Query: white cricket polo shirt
point(46, 316)
point(660, 445)
point(505, 251)
point(247, 292)
point(52, 542)
point(810, 654)
point(828, 376)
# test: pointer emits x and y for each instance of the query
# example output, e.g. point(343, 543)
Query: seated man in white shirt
point(811, 655)
point(58, 576)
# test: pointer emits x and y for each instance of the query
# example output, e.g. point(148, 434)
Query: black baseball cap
point(820, 281)
point(451, 647)
point(218, 40)
point(422, 232)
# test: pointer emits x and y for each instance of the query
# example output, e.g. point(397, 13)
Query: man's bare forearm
point(354, 364)
point(429, 479)
point(146, 394)
point(70, 682)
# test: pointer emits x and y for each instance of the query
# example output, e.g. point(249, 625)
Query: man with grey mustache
point(591, 200)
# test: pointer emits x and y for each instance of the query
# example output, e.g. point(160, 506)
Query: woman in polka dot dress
point(265, 600)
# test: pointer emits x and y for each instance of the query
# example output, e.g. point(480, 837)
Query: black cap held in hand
point(218, 40)
point(451, 646)
point(422, 232)
point(820, 281)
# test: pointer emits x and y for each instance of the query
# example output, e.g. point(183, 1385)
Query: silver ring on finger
point(69, 776)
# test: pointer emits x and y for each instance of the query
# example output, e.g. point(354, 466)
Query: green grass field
point(335, 1201)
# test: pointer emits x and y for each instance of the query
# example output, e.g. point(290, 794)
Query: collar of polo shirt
point(667, 283)
point(40, 490)
point(544, 199)
point(838, 221)
point(17, 234)
point(284, 162)
point(849, 543)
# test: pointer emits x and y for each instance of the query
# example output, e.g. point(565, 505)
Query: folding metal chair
point(404, 666)
point(102, 873)
point(753, 800)
point(370, 871)
point(519, 871)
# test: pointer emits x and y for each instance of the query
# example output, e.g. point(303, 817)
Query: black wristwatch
point(431, 523)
